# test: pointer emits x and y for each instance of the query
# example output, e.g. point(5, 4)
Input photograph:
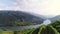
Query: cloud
point(44, 7)
point(36, 6)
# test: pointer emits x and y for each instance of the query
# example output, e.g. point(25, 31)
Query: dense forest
point(18, 18)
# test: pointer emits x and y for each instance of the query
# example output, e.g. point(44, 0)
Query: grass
point(26, 31)
point(40, 28)
point(6, 32)
point(53, 29)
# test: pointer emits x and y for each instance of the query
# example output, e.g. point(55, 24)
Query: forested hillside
point(56, 25)
point(18, 18)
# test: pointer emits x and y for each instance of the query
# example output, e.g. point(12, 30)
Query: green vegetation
point(53, 28)
point(45, 30)
point(11, 18)
point(56, 25)
point(25, 31)
point(18, 18)
point(6, 32)
point(41, 30)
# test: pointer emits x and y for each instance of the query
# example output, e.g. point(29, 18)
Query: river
point(46, 22)
point(20, 27)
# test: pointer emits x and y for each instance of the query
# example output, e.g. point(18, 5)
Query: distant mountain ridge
point(8, 17)
point(55, 18)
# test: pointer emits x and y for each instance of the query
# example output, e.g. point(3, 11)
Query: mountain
point(13, 18)
point(41, 16)
point(49, 16)
point(55, 18)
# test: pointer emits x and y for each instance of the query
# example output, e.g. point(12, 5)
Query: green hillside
point(19, 18)
point(56, 25)
point(45, 30)
point(53, 28)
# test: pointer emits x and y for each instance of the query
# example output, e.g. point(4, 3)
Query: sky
point(42, 7)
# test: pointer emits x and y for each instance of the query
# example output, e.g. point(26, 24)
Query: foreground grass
point(6, 32)
point(25, 31)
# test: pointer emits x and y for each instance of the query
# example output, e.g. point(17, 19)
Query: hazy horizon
point(43, 7)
